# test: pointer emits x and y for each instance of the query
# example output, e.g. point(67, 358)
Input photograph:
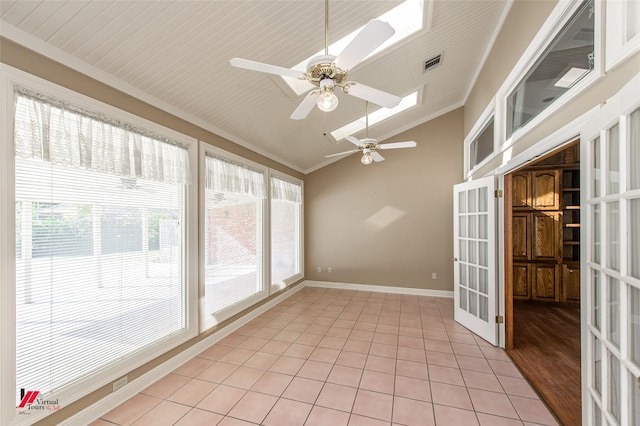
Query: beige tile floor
point(341, 357)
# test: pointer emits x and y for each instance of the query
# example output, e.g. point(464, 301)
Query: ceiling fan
point(327, 72)
point(369, 146)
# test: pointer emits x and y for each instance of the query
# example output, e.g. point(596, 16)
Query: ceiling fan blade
point(305, 106)
point(353, 140)
point(259, 66)
point(369, 39)
point(341, 153)
point(376, 156)
point(394, 145)
point(376, 96)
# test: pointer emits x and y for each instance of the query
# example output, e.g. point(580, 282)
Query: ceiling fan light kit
point(327, 100)
point(366, 158)
point(327, 71)
point(369, 146)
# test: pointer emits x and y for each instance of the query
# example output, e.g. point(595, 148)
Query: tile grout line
point(384, 322)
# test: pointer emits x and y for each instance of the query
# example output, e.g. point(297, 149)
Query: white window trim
point(568, 133)
point(208, 321)
point(274, 287)
point(7, 253)
point(474, 133)
point(9, 78)
point(554, 23)
point(617, 50)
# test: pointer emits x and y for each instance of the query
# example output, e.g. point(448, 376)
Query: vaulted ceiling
point(175, 55)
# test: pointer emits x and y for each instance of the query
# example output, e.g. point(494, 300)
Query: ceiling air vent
point(430, 64)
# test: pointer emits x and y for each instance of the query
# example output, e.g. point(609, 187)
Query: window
point(480, 142)
point(100, 244)
point(235, 233)
point(567, 59)
point(481, 147)
point(376, 116)
point(234, 206)
point(286, 231)
point(623, 31)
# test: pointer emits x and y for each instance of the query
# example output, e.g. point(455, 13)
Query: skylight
point(571, 77)
point(405, 19)
point(375, 117)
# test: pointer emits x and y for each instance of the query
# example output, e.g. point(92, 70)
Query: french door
point(474, 257)
point(610, 154)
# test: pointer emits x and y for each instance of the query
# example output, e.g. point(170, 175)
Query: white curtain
point(226, 176)
point(56, 133)
point(285, 191)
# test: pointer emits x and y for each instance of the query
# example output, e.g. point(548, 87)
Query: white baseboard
point(134, 387)
point(381, 288)
point(108, 403)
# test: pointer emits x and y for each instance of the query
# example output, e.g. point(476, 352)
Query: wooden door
point(571, 283)
point(546, 230)
point(522, 281)
point(521, 235)
point(545, 189)
point(521, 190)
point(545, 282)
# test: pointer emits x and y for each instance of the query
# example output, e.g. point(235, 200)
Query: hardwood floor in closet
point(547, 351)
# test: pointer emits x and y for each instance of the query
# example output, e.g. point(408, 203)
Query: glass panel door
point(474, 254)
point(611, 385)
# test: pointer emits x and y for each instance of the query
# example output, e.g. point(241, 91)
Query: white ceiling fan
point(328, 72)
point(369, 146)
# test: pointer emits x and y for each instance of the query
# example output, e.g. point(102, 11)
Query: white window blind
point(99, 241)
point(233, 229)
point(286, 232)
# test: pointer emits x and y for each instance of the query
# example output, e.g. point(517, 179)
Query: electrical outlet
point(118, 384)
point(434, 275)
point(329, 269)
point(319, 269)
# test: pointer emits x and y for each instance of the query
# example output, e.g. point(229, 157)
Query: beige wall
point(389, 223)
point(521, 25)
point(523, 22)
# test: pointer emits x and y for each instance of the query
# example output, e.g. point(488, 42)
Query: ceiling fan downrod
point(327, 72)
point(326, 27)
point(366, 118)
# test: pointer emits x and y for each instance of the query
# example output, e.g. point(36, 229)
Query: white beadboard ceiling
point(175, 54)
